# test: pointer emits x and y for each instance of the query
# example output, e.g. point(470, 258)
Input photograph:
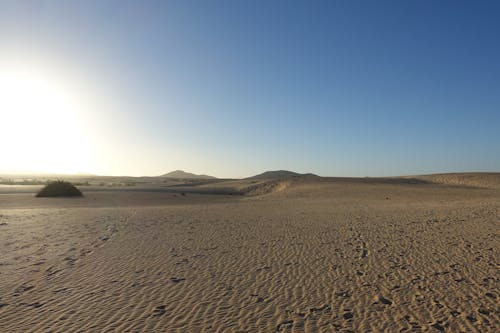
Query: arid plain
point(297, 254)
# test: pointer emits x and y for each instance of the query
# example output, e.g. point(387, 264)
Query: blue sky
point(234, 88)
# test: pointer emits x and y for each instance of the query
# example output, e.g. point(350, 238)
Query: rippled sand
point(311, 256)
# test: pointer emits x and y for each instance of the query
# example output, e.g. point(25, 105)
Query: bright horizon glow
point(233, 88)
point(42, 129)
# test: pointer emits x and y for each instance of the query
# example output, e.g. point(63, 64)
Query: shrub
point(59, 188)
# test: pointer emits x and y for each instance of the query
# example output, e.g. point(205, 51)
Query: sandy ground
point(308, 256)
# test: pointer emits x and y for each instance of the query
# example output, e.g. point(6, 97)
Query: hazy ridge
point(180, 174)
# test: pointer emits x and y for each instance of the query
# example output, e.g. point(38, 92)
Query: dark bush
point(59, 188)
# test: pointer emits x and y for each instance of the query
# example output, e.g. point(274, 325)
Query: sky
point(235, 88)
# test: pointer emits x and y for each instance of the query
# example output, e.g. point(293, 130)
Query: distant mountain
point(280, 174)
point(185, 175)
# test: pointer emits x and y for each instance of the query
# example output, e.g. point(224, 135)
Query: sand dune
point(478, 179)
point(282, 174)
point(324, 255)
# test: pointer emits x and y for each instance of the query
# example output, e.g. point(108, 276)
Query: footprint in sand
point(348, 315)
point(345, 294)
point(22, 289)
point(52, 271)
point(472, 318)
point(438, 326)
point(324, 308)
point(284, 324)
point(177, 280)
point(383, 300)
point(159, 311)
point(484, 311)
point(491, 295)
point(258, 298)
point(35, 305)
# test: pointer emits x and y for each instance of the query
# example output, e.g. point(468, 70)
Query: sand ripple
point(349, 259)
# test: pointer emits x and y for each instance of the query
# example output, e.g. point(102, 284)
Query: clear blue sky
point(234, 88)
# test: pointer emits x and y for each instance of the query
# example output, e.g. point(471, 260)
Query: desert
point(193, 166)
point(294, 253)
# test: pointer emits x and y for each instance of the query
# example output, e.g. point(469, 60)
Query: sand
point(329, 255)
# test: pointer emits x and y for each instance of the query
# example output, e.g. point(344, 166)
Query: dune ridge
point(472, 179)
point(281, 174)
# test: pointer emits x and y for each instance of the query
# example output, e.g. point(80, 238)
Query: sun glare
point(41, 125)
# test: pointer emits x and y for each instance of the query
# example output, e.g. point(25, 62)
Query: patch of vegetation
point(59, 188)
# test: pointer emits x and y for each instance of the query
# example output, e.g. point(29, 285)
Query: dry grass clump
point(59, 188)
